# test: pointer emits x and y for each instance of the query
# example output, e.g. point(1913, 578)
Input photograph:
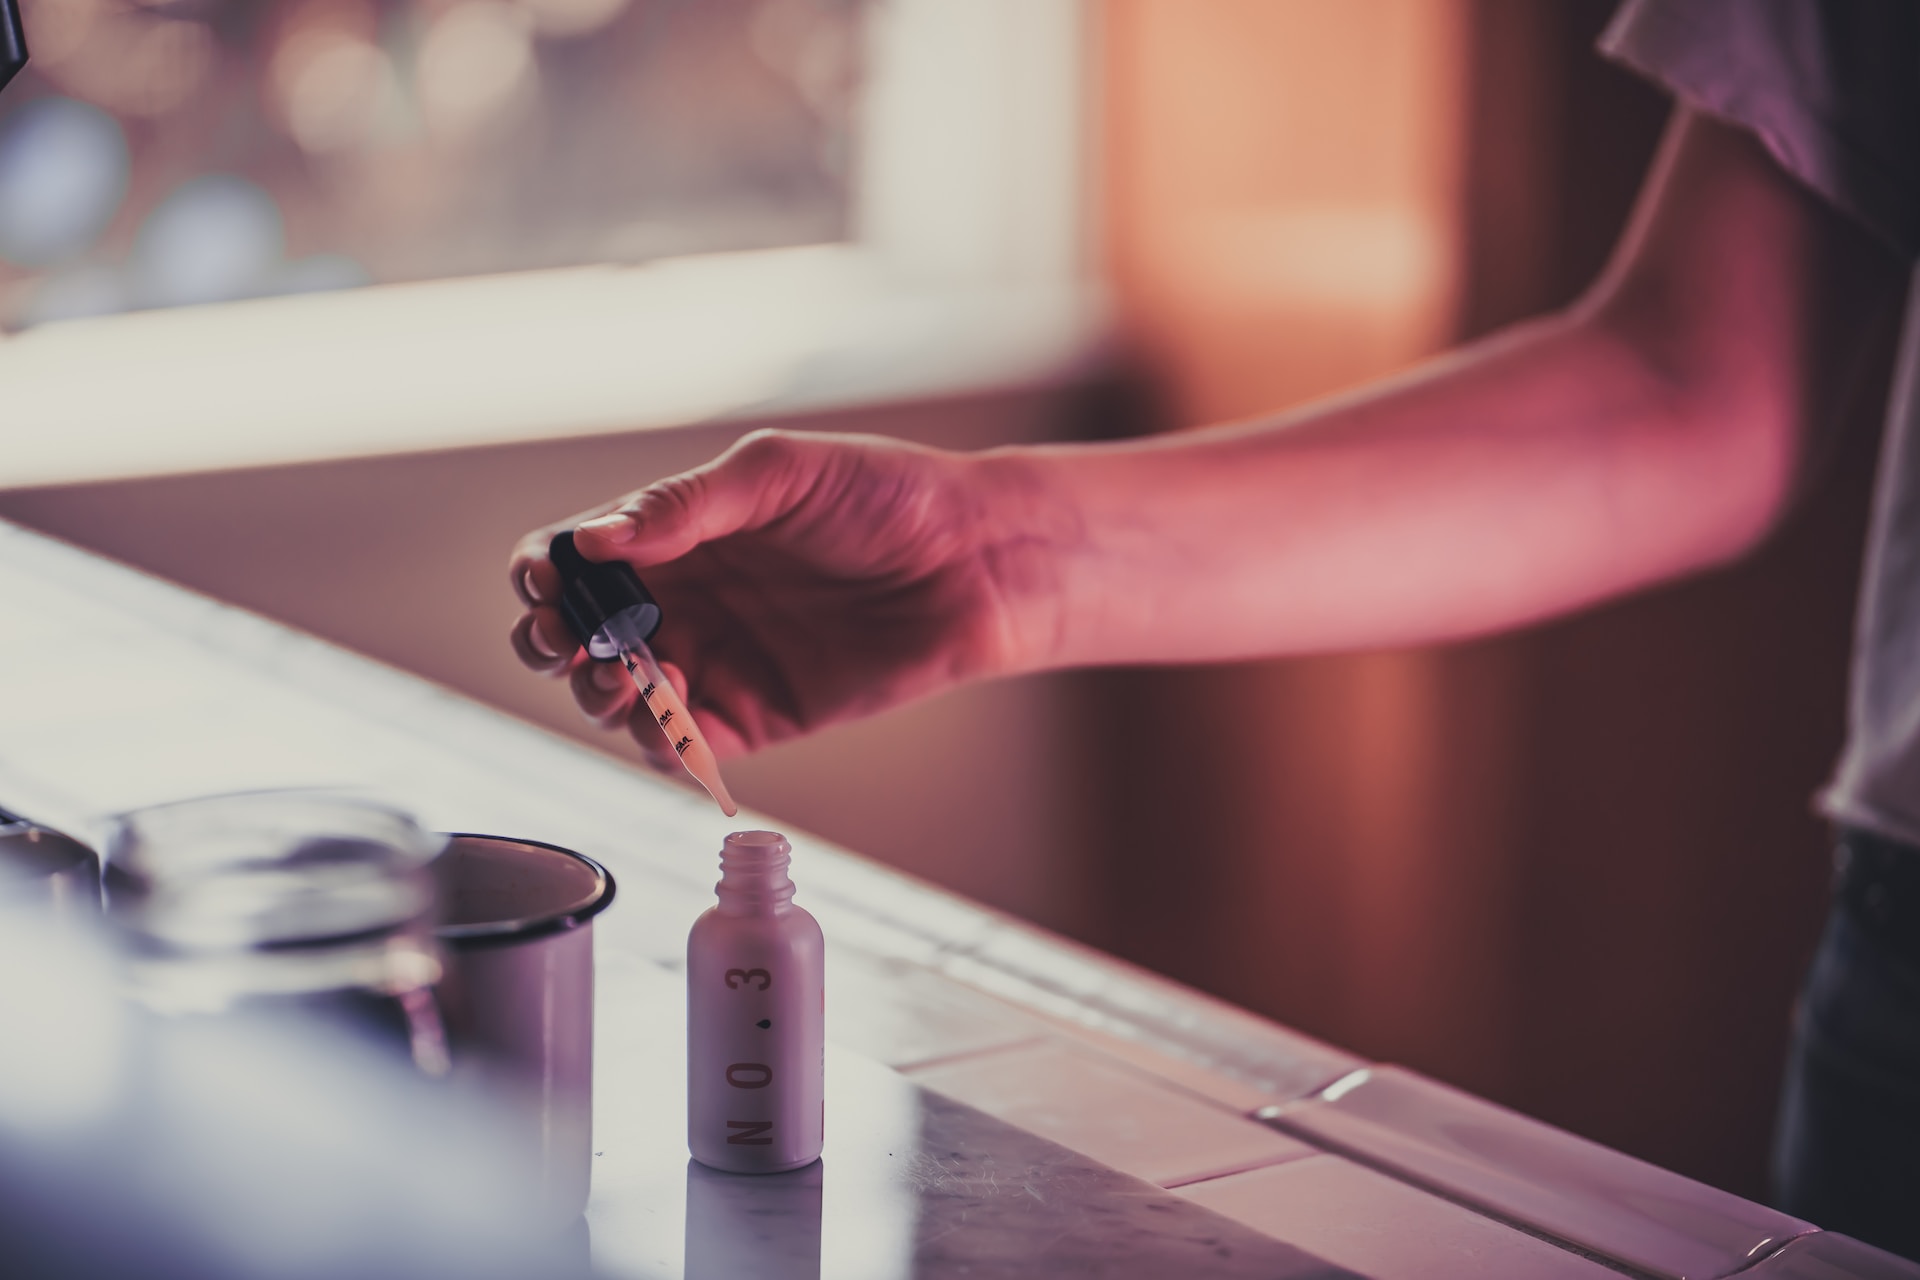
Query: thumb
point(754, 483)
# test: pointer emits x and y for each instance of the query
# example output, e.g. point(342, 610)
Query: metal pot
point(516, 932)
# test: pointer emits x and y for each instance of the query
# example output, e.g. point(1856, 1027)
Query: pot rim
point(501, 933)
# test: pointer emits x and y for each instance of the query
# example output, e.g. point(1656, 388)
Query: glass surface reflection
point(913, 1183)
point(856, 1214)
point(269, 904)
point(753, 1224)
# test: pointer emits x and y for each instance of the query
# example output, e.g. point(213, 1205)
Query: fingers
point(532, 575)
point(604, 692)
point(677, 678)
point(646, 731)
point(653, 744)
point(647, 735)
point(750, 485)
point(541, 641)
point(535, 580)
point(715, 726)
point(726, 741)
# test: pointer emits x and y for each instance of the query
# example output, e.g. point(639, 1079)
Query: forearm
point(1519, 479)
point(1656, 428)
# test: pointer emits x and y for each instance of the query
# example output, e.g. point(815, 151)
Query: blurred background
point(170, 152)
point(316, 306)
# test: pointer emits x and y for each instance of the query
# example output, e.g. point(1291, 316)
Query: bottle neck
point(753, 875)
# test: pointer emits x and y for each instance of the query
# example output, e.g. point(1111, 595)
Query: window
point(159, 154)
point(249, 231)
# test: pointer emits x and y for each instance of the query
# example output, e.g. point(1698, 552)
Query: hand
point(810, 579)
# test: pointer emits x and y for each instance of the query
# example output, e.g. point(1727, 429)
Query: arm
point(1658, 426)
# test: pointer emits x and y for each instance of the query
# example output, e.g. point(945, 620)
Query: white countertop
point(1000, 1101)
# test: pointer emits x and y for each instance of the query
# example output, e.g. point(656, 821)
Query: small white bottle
point(756, 1017)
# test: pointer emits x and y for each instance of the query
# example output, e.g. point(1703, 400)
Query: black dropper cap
point(594, 593)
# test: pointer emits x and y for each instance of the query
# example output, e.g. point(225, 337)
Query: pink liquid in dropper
point(677, 723)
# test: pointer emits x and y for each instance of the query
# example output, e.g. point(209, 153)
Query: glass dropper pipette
point(613, 615)
point(671, 714)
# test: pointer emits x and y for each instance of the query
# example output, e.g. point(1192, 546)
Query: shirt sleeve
point(1831, 87)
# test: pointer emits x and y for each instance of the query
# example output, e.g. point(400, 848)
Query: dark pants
point(1847, 1152)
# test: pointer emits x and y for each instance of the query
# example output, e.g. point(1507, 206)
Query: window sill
point(539, 355)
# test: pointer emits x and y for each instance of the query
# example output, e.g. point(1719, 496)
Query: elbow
point(1710, 461)
point(1740, 306)
point(1745, 454)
